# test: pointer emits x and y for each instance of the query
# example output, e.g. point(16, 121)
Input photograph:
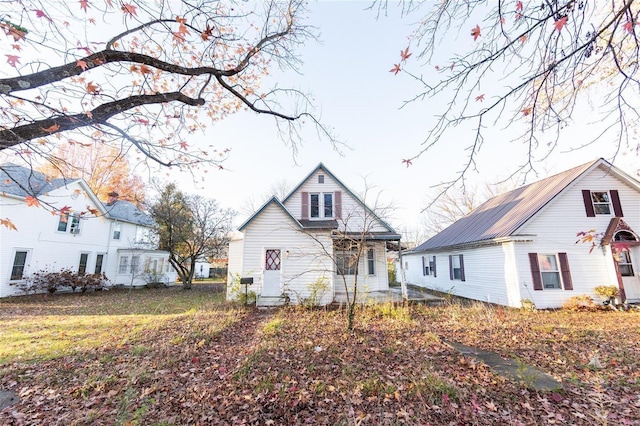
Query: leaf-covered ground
point(173, 357)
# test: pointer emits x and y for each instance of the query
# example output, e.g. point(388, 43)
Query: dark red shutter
point(424, 270)
point(535, 271)
point(434, 267)
point(588, 204)
point(337, 204)
point(615, 199)
point(305, 206)
point(564, 270)
point(450, 267)
point(461, 267)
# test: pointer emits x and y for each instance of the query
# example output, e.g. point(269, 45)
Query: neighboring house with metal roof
point(60, 223)
point(522, 244)
point(293, 247)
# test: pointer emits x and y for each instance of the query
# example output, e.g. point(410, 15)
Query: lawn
point(174, 357)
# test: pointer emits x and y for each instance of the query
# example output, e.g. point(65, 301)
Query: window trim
point(598, 205)
point(117, 231)
point(562, 262)
point(350, 270)
point(321, 205)
point(460, 268)
point(123, 267)
point(371, 261)
point(102, 257)
point(82, 269)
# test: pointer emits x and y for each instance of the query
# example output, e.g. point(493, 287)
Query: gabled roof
point(22, 181)
point(503, 215)
point(128, 212)
point(322, 167)
point(273, 200)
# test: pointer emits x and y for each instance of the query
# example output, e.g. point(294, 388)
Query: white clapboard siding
point(555, 229)
point(305, 262)
point(354, 216)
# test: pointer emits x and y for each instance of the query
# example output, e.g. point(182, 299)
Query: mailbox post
point(247, 281)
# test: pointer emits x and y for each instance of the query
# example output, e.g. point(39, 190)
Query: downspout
point(403, 282)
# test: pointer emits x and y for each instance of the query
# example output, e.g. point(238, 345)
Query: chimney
point(113, 197)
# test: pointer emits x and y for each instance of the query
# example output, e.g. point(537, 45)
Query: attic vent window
point(320, 178)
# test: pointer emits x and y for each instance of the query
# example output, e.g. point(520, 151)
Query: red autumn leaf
point(480, 98)
point(404, 54)
point(16, 47)
point(144, 69)
point(129, 9)
point(32, 201)
point(84, 4)
point(560, 23)
point(475, 32)
point(395, 69)
point(206, 34)
point(518, 6)
point(14, 32)
point(93, 211)
point(65, 210)
point(13, 60)
point(7, 223)
point(143, 121)
point(92, 88)
point(628, 26)
point(526, 111)
point(41, 14)
point(82, 64)
point(183, 145)
point(51, 129)
point(407, 162)
point(523, 38)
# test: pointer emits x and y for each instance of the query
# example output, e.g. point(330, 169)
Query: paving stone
point(7, 399)
point(511, 369)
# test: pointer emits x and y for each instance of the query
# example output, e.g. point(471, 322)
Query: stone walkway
point(393, 295)
point(511, 369)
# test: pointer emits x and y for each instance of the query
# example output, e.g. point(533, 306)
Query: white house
point(302, 247)
point(522, 244)
point(60, 223)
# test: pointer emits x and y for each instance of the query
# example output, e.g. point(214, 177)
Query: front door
point(271, 278)
point(629, 265)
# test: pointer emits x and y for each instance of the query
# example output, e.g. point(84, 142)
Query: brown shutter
point(461, 267)
point(337, 204)
point(450, 267)
point(305, 206)
point(564, 270)
point(615, 199)
point(588, 205)
point(434, 267)
point(535, 271)
point(424, 270)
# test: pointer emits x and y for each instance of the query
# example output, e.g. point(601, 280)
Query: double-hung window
point(549, 271)
point(321, 205)
point(456, 267)
point(123, 264)
point(99, 261)
point(601, 202)
point(371, 262)
point(82, 265)
point(346, 262)
point(69, 222)
point(19, 264)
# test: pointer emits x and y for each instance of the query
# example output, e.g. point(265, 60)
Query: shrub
point(606, 291)
point(52, 281)
point(582, 302)
point(317, 289)
point(527, 305)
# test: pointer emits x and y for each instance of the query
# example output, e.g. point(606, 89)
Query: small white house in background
point(291, 247)
point(522, 244)
point(68, 227)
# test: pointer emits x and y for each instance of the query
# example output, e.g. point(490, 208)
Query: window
point(432, 266)
point(82, 266)
point(320, 178)
point(135, 264)
point(549, 271)
point(19, 263)
point(456, 267)
point(346, 262)
point(161, 265)
point(272, 260)
point(117, 227)
point(123, 265)
point(624, 263)
point(321, 205)
point(72, 225)
point(426, 267)
point(601, 204)
point(371, 262)
point(99, 261)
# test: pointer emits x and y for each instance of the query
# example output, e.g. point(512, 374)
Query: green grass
point(49, 326)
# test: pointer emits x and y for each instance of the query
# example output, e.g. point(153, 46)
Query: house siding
point(555, 229)
point(273, 229)
point(353, 215)
point(485, 270)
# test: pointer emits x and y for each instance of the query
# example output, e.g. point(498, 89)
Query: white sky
point(357, 96)
point(360, 99)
